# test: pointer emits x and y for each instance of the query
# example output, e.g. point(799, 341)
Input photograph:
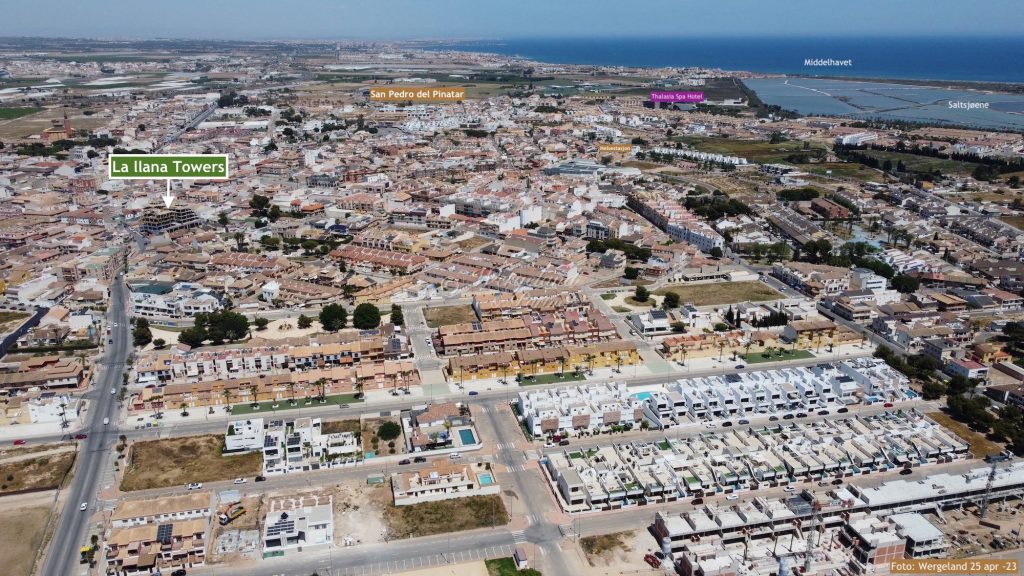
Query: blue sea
point(918, 58)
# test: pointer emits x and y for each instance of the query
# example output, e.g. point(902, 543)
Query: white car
point(194, 486)
point(732, 497)
point(789, 489)
point(84, 506)
point(240, 480)
point(113, 391)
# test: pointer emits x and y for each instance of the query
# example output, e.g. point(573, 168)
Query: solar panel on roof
point(164, 532)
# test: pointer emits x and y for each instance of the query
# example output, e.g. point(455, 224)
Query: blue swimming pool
point(485, 479)
point(641, 395)
point(466, 436)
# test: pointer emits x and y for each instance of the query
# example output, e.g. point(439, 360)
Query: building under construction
point(846, 530)
point(168, 220)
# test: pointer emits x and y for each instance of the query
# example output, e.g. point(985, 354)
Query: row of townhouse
point(637, 473)
point(678, 222)
point(158, 535)
point(535, 330)
point(559, 360)
point(204, 366)
point(305, 386)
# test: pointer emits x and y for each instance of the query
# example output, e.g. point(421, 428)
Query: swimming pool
point(641, 395)
point(485, 479)
point(466, 436)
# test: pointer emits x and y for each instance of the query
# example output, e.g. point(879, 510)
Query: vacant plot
point(22, 534)
point(1015, 221)
point(445, 516)
point(979, 445)
point(336, 426)
point(721, 293)
point(40, 473)
point(596, 547)
point(13, 318)
point(173, 461)
point(447, 315)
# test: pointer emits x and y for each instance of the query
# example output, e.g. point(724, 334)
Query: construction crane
point(812, 539)
point(988, 489)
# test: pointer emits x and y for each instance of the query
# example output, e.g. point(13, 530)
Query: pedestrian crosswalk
point(505, 445)
point(516, 467)
point(519, 536)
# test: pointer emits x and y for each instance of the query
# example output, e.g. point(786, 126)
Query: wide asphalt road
point(62, 557)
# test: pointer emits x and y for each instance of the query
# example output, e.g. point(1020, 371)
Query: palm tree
point(561, 373)
point(227, 397)
point(291, 393)
point(252, 390)
point(239, 240)
point(590, 365)
point(721, 349)
point(184, 409)
point(321, 385)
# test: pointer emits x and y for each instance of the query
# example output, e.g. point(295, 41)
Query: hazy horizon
point(405, 20)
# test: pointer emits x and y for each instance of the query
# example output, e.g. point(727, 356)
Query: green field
point(916, 163)
point(1015, 221)
point(720, 293)
point(844, 170)
point(12, 113)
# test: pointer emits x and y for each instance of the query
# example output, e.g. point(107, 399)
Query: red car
point(887, 405)
point(80, 436)
point(20, 442)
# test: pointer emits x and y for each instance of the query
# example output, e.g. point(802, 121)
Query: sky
point(490, 19)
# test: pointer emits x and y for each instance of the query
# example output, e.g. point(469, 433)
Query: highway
point(94, 451)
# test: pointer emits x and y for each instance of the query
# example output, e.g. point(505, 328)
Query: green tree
point(671, 301)
point(631, 273)
point(261, 324)
point(141, 334)
point(159, 343)
point(193, 337)
point(716, 252)
point(222, 219)
point(333, 317)
point(366, 316)
point(304, 321)
point(905, 284)
point(259, 204)
point(641, 294)
point(397, 317)
point(389, 431)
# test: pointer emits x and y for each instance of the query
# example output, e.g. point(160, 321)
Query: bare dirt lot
point(446, 315)
point(173, 461)
point(439, 517)
point(21, 531)
point(24, 471)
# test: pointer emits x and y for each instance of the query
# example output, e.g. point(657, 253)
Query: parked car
point(801, 414)
point(823, 483)
point(240, 480)
point(697, 501)
point(726, 424)
point(906, 471)
point(81, 436)
point(563, 442)
point(822, 412)
point(194, 486)
point(106, 421)
point(179, 572)
point(419, 459)
point(113, 391)
point(773, 419)
point(473, 392)
point(404, 462)
point(454, 456)
point(20, 442)
point(837, 481)
point(110, 341)
point(259, 478)
point(732, 497)
point(843, 410)
point(740, 366)
point(887, 405)
point(744, 421)
point(84, 506)
point(787, 417)
point(789, 489)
